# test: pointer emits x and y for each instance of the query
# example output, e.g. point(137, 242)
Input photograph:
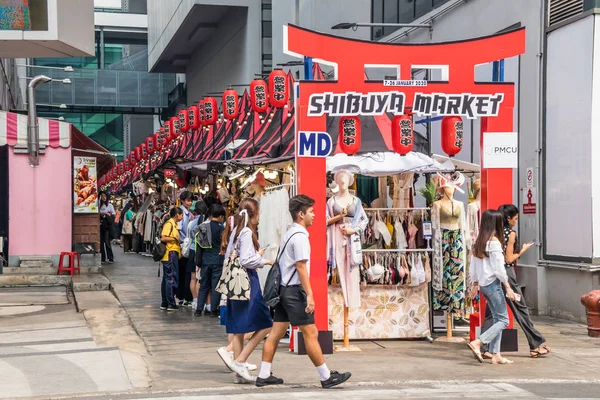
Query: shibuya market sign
point(471, 106)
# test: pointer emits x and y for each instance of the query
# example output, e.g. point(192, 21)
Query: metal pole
point(297, 15)
point(33, 133)
point(102, 48)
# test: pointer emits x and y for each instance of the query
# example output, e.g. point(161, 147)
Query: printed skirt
point(452, 296)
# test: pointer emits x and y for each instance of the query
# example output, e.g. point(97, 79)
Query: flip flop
point(486, 356)
point(504, 361)
point(537, 353)
point(476, 353)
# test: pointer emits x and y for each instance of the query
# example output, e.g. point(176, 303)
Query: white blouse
point(486, 270)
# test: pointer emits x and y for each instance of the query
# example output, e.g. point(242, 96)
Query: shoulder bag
point(234, 282)
point(160, 248)
point(272, 290)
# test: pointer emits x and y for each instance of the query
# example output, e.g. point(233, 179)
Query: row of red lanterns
point(206, 113)
point(403, 139)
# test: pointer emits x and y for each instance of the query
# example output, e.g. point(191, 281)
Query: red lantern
point(144, 150)
point(349, 135)
point(138, 153)
point(121, 168)
point(115, 170)
point(127, 164)
point(403, 138)
point(230, 104)
point(278, 88)
point(211, 111)
point(132, 159)
point(194, 117)
point(184, 121)
point(452, 135)
point(157, 141)
point(259, 93)
point(174, 130)
point(201, 113)
point(102, 180)
point(150, 144)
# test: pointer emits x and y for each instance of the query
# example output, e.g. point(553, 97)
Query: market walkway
point(183, 355)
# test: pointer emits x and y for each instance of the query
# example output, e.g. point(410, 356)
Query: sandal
point(486, 356)
point(537, 353)
point(476, 353)
point(504, 361)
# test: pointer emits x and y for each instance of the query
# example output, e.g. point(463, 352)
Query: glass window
point(267, 15)
point(422, 7)
point(390, 15)
point(377, 16)
point(267, 29)
point(437, 3)
point(267, 46)
point(406, 12)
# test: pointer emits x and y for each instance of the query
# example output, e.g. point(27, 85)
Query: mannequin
point(448, 217)
point(345, 217)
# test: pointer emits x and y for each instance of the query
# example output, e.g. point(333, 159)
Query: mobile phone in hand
point(517, 297)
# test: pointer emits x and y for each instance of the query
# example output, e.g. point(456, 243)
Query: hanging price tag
point(427, 230)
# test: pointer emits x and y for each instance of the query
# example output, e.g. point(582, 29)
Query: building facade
point(221, 43)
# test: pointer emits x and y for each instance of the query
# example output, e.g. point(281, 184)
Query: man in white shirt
point(297, 304)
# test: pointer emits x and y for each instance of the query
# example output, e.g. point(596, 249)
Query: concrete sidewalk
point(182, 348)
point(46, 348)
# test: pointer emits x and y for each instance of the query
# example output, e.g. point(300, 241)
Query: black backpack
point(271, 293)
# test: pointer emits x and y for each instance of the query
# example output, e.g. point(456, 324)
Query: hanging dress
point(339, 255)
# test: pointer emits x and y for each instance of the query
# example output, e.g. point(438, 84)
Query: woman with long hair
point(107, 219)
point(488, 274)
point(513, 251)
point(252, 315)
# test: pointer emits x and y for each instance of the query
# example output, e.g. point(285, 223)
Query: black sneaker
point(214, 314)
point(172, 308)
point(271, 380)
point(335, 379)
point(164, 306)
point(198, 313)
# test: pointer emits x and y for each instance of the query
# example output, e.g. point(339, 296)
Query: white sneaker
point(194, 304)
point(251, 367)
point(241, 370)
point(238, 380)
point(226, 357)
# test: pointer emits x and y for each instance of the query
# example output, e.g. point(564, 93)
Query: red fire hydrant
point(591, 302)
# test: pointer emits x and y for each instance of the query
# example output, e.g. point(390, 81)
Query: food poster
point(85, 185)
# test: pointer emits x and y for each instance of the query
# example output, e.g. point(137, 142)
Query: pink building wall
point(40, 209)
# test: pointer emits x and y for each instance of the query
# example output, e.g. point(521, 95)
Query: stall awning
point(385, 163)
point(13, 131)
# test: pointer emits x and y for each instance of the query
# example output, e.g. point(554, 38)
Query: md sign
point(314, 144)
point(501, 150)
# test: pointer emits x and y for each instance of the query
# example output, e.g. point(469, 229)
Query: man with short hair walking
point(297, 304)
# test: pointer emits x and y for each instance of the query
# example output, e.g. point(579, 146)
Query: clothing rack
point(281, 186)
point(398, 209)
point(397, 250)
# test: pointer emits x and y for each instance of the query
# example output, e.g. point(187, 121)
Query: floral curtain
point(14, 15)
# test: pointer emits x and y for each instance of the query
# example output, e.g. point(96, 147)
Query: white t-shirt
point(298, 249)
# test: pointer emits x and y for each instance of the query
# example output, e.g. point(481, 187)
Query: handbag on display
point(234, 282)
point(356, 249)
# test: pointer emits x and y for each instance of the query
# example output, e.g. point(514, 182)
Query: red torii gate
point(350, 57)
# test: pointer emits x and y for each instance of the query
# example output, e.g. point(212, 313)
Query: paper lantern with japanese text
point(165, 131)
point(144, 150)
point(259, 94)
point(230, 104)
point(211, 111)
point(138, 153)
point(194, 117)
point(132, 159)
point(174, 130)
point(403, 139)
point(109, 175)
point(121, 168)
point(158, 141)
point(127, 164)
point(184, 120)
point(452, 135)
point(349, 135)
point(278, 88)
point(151, 144)
point(115, 170)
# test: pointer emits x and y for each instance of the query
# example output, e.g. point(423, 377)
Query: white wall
point(117, 4)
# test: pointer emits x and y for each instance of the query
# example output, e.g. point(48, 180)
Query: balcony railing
point(106, 88)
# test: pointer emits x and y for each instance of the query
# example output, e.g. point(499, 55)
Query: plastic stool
point(72, 268)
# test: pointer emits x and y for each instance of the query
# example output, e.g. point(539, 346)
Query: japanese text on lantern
point(279, 92)
point(261, 96)
point(208, 111)
point(349, 134)
point(406, 132)
point(458, 128)
point(230, 104)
